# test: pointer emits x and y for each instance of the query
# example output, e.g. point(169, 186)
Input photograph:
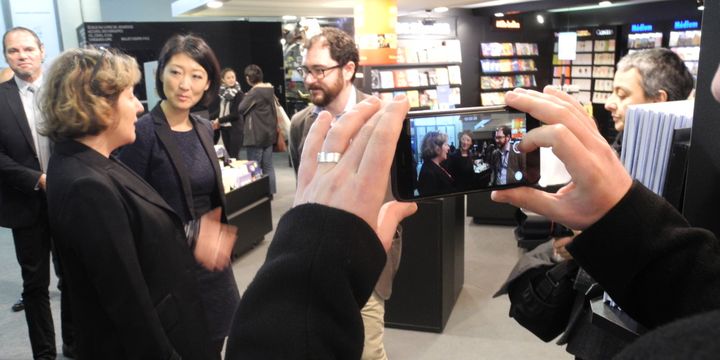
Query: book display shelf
point(505, 66)
point(427, 72)
point(593, 69)
point(687, 45)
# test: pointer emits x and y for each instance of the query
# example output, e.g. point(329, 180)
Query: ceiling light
point(701, 7)
point(440, 9)
point(289, 17)
point(214, 4)
point(499, 14)
point(605, 3)
point(540, 19)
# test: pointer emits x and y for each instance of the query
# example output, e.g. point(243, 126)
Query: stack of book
point(647, 139)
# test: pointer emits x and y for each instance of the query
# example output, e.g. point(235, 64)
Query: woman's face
point(442, 151)
point(465, 142)
point(184, 82)
point(126, 109)
point(229, 79)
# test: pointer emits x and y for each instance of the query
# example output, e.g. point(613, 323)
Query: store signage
point(640, 27)
point(686, 24)
point(508, 24)
point(583, 33)
point(604, 32)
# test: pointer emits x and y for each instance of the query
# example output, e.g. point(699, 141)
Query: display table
point(432, 267)
point(484, 211)
point(248, 208)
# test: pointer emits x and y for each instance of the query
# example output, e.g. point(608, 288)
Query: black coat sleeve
point(305, 300)
point(652, 263)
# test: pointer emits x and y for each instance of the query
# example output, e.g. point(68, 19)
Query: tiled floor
point(478, 328)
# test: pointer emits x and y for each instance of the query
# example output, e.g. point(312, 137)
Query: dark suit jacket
point(516, 162)
point(433, 180)
point(126, 263)
point(300, 126)
point(260, 115)
point(156, 158)
point(20, 203)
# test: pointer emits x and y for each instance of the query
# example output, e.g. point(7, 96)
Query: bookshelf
point(687, 45)
point(427, 72)
point(505, 66)
point(593, 69)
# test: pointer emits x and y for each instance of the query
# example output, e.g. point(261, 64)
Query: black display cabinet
point(432, 268)
point(484, 211)
point(248, 208)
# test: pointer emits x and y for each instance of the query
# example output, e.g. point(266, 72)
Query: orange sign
point(375, 35)
point(507, 24)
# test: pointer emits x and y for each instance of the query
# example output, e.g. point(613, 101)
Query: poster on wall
point(39, 16)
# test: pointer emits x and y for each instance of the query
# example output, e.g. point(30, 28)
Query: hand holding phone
point(453, 152)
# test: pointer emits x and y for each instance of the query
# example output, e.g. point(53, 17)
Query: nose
point(138, 107)
point(185, 82)
point(610, 103)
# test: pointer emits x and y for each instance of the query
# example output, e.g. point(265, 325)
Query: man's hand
point(42, 182)
point(599, 180)
point(366, 137)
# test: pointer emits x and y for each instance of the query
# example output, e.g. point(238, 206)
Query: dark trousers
point(33, 246)
point(232, 139)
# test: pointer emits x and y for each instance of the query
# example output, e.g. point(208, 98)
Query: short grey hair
point(660, 69)
point(432, 141)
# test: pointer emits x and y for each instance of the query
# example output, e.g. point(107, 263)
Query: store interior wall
point(702, 193)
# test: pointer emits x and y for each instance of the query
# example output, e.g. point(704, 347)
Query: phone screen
point(452, 152)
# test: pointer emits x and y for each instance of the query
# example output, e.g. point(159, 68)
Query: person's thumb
point(391, 214)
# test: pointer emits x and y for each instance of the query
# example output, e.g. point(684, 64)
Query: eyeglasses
point(94, 84)
point(317, 72)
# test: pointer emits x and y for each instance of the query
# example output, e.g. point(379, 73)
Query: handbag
point(283, 126)
point(541, 298)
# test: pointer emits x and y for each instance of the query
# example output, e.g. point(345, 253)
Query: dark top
point(258, 109)
point(461, 169)
point(202, 179)
point(157, 157)
point(125, 261)
point(434, 180)
point(305, 300)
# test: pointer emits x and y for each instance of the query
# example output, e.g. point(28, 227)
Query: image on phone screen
point(452, 152)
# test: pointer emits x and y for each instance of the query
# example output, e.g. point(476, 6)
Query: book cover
point(387, 80)
point(413, 77)
point(442, 76)
point(400, 78)
point(413, 97)
point(454, 74)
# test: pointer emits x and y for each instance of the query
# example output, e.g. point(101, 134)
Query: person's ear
point(349, 70)
point(662, 96)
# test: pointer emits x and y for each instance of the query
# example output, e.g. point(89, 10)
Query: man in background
point(24, 154)
point(329, 69)
point(507, 161)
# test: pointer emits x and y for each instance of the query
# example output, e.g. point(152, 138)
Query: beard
point(327, 93)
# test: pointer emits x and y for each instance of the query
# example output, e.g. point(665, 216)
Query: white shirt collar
point(23, 85)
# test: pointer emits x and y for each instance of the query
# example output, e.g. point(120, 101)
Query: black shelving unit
point(505, 66)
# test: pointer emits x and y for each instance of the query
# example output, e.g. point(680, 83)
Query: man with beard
point(328, 70)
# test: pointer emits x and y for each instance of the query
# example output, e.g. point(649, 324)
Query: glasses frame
point(305, 71)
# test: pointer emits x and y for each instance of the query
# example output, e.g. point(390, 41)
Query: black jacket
point(125, 261)
point(305, 300)
point(20, 203)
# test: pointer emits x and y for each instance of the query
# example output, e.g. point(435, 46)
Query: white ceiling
point(314, 8)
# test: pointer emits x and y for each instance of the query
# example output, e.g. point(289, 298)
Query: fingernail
point(400, 98)
point(372, 100)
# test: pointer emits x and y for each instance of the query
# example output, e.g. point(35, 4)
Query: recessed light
point(499, 14)
point(289, 17)
point(440, 9)
point(214, 4)
point(605, 3)
point(540, 19)
point(701, 7)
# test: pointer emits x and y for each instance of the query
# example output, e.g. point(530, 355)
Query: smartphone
point(458, 151)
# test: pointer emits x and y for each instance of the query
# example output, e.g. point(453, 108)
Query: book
point(454, 74)
point(375, 79)
point(387, 81)
point(442, 76)
point(400, 79)
point(413, 97)
point(413, 77)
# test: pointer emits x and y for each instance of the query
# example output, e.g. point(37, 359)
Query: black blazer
point(20, 203)
point(125, 260)
point(433, 180)
point(260, 115)
point(156, 158)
